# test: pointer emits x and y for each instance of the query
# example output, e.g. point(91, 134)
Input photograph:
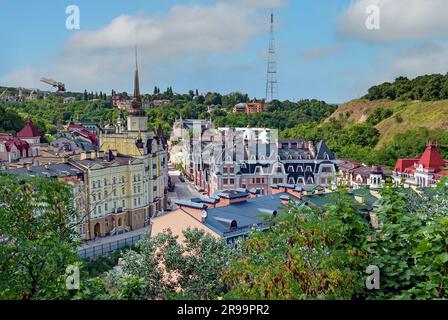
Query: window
point(299, 169)
point(93, 197)
point(327, 170)
point(232, 181)
point(93, 185)
point(115, 192)
point(310, 180)
point(138, 189)
point(326, 157)
point(290, 169)
point(114, 180)
point(105, 182)
point(123, 204)
point(139, 201)
point(225, 181)
point(135, 202)
point(123, 180)
point(123, 191)
point(279, 169)
point(308, 169)
point(105, 207)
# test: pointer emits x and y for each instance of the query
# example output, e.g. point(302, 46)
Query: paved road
point(183, 190)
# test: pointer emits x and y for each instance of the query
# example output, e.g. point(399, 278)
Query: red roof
point(20, 144)
point(431, 158)
point(403, 164)
point(78, 129)
point(29, 131)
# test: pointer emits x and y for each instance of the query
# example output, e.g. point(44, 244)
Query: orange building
point(249, 107)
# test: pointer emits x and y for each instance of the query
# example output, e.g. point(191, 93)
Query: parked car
point(182, 179)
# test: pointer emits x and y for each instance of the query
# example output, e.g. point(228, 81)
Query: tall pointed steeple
point(136, 104)
point(136, 79)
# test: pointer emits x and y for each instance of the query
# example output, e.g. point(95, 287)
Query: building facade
point(253, 161)
point(425, 171)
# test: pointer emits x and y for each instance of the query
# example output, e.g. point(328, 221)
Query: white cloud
point(259, 3)
point(421, 59)
point(103, 58)
point(399, 20)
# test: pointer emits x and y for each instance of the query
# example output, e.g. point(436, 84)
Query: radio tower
point(271, 82)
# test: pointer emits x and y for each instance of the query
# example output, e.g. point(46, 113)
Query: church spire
point(136, 79)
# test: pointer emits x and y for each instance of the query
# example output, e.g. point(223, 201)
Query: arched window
point(310, 180)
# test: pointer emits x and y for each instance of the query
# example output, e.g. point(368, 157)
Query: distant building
point(12, 149)
point(26, 144)
point(249, 107)
point(68, 100)
point(425, 171)
point(160, 103)
point(357, 175)
point(121, 101)
point(260, 165)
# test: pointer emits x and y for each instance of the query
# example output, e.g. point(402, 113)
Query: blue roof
point(233, 195)
point(245, 214)
point(191, 204)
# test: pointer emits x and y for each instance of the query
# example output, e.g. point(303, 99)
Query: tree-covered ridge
point(425, 88)
point(358, 141)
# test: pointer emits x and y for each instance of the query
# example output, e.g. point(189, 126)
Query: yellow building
point(136, 158)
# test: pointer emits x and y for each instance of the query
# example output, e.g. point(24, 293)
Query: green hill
point(405, 116)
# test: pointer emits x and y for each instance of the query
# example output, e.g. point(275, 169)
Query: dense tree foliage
point(307, 254)
point(37, 239)
point(312, 255)
point(425, 88)
point(166, 268)
point(10, 121)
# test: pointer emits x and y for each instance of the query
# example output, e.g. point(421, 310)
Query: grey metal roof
point(246, 214)
point(54, 170)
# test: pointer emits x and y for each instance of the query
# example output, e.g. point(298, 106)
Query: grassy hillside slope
point(407, 115)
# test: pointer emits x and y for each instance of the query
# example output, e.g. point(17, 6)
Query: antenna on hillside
point(271, 81)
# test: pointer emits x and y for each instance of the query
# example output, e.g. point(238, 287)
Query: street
point(182, 190)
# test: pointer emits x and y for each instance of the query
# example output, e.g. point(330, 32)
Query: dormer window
point(326, 157)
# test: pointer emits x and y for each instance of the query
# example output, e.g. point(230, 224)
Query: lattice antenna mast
point(271, 82)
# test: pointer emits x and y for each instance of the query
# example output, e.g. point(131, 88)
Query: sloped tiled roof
point(29, 130)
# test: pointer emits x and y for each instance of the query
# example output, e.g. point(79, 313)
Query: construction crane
point(3, 93)
point(59, 85)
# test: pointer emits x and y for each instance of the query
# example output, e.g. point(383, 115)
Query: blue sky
point(324, 49)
